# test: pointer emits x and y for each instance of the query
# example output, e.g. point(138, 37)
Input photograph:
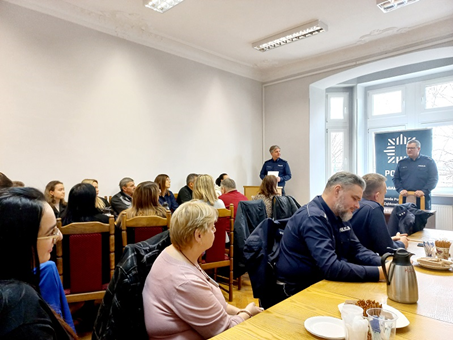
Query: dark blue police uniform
point(419, 174)
point(318, 245)
point(279, 165)
point(370, 228)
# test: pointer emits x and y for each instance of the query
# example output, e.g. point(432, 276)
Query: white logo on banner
point(391, 146)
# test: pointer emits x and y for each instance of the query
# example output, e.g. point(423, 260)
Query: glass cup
point(355, 326)
point(382, 324)
point(430, 248)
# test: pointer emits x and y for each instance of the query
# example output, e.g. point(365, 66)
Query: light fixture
point(289, 36)
point(390, 5)
point(161, 6)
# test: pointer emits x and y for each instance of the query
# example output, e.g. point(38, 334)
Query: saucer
point(325, 327)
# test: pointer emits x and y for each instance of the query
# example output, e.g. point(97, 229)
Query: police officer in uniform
point(416, 173)
point(277, 164)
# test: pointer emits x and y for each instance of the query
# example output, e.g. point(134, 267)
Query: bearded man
point(319, 243)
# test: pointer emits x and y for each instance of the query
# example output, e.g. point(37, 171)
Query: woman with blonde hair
point(101, 203)
point(166, 197)
point(267, 192)
point(179, 299)
point(203, 190)
point(54, 194)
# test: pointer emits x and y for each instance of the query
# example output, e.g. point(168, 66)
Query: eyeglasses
point(55, 235)
point(411, 148)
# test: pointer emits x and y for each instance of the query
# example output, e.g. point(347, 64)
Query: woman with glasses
point(179, 299)
point(28, 233)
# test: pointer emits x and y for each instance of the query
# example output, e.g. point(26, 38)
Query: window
point(386, 103)
point(443, 154)
point(337, 148)
point(439, 95)
point(337, 128)
point(420, 103)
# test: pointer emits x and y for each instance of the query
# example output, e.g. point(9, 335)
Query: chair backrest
point(85, 254)
point(224, 225)
point(411, 198)
point(142, 227)
point(284, 207)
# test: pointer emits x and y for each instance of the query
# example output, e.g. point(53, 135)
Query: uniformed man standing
point(416, 173)
point(277, 164)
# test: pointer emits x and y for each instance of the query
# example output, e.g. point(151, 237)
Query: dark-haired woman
point(166, 198)
point(28, 233)
point(218, 181)
point(82, 205)
point(267, 192)
point(55, 193)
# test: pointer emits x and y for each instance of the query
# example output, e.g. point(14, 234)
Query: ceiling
point(220, 33)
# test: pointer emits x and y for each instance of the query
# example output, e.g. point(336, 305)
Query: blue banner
point(390, 148)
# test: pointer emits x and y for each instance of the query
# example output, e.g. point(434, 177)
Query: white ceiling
point(220, 32)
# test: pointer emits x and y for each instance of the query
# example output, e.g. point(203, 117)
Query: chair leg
point(239, 282)
point(231, 286)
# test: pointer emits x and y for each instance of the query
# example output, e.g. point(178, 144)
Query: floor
point(241, 298)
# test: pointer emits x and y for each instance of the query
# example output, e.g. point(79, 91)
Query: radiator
point(444, 216)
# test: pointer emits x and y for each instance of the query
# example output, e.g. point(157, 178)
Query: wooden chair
point(142, 227)
point(108, 199)
point(411, 198)
point(217, 256)
point(84, 256)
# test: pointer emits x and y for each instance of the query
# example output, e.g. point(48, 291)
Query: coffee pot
point(401, 279)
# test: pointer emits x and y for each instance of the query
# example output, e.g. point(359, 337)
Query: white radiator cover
point(444, 216)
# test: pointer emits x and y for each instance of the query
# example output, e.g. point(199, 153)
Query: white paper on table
point(272, 173)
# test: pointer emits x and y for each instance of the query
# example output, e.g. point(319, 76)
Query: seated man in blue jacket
point(319, 243)
point(368, 221)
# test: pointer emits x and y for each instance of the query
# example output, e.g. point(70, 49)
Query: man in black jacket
point(185, 194)
point(123, 200)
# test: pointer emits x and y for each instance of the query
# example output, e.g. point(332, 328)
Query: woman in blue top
point(166, 198)
point(28, 233)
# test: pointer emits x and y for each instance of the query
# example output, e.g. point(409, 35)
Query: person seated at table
point(319, 243)
point(55, 193)
point(166, 197)
point(28, 232)
point(179, 299)
point(82, 206)
point(123, 200)
point(368, 221)
point(230, 194)
point(102, 205)
point(185, 193)
point(203, 190)
point(267, 192)
point(218, 182)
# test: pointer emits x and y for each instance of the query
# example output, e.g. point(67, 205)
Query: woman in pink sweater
point(180, 300)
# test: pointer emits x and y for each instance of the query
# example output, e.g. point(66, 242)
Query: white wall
point(77, 103)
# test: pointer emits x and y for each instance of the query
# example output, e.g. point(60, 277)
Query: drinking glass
point(355, 325)
point(382, 324)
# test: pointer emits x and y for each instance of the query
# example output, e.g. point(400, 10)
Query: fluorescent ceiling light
point(289, 36)
point(161, 6)
point(390, 5)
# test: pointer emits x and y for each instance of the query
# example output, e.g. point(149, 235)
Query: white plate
point(401, 322)
point(325, 327)
point(426, 264)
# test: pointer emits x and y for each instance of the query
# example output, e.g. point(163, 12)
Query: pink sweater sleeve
point(196, 304)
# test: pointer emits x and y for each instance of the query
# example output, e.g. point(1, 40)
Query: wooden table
point(430, 318)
